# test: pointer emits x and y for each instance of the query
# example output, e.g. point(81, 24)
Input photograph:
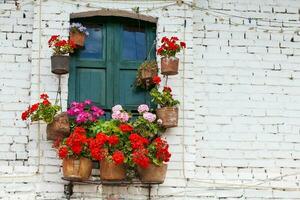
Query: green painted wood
point(109, 79)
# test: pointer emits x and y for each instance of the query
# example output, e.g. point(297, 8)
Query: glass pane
point(134, 43)
point(93, 47)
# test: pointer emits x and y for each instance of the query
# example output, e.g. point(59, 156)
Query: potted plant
point(57, 125)
point(78, 33)
point(146, 71)
point(168, 111)
point(75, 152)
point(60, 59)
point(110, 145)
point(147, 123)
point(150, 158)
point(168, 50)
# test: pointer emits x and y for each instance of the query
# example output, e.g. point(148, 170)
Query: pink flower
point(117, 108)
point(143, 108)
point(97, 112)
point(116, 115)
point(88, 102)
point(124, 117)
point(149, 116)
point(83, 117)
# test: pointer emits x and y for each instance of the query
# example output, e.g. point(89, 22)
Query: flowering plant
point(84, 112)
point(170, 46)
point(151, 66)
point(76, 145)
point(118, 113)
point(145, 153)
point(111, 141)
point(147, 123)
point(78, 28)
point(164, 98)
point(60, 46)
point(42, 110)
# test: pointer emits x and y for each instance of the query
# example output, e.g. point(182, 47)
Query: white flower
point(117, 108)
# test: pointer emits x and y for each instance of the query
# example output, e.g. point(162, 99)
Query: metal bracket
point(68, 190)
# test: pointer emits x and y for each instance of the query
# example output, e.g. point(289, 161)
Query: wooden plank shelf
point(68, 188)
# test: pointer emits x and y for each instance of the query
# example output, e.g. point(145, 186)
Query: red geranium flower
point(156, 80)
point(125, 128)
point(53, 38)
point(118, 157)
point(44, 96)
point(182, 44)
point(63, 152)
point(113, 140)
point(34, 107)
point(140, 157)
point(25, 115)
point(46, 102)
point(167, 89)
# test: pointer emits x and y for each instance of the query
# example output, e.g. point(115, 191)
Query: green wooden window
point(105, 69)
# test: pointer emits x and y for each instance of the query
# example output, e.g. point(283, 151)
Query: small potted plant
point(78, 33)
point(146, 71)
point(150, 158)
point(57, 125)
point(147, 123)
point(60, 59)
point(168, 111)
point(75, 152)
point(168, 50)
point(110, 144)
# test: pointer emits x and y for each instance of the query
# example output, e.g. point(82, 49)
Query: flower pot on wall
point(77, 38)
point(169, 65)
point(59, 128)
point(168, 115)
point(77, 169)
point(153, 173)
point(60, 64)
point(147, 73)
point(111, 171)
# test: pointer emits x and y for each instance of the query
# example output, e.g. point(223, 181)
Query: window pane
point(93, 47)
point(134, 43)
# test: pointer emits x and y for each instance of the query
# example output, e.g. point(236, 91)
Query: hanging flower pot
point(169, 65)
point(168, 116)
point(153, 173)
point(77, 169)
point(111, 171)
point(78, 34)
point(168, 50)
point(148, 73)
point(60, 64)
point(60, 59)
point(78, 38)
point(59, 128)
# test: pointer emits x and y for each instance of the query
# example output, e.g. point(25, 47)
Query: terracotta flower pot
point(169, 65)
point(111, 171)
point(77, 169)
point(78, 38)
point(153, 173)
point(168, 115)
point(59, 128)
point(147, 73)
point(60, 64)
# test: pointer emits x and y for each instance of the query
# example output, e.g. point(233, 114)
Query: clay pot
point(111, 171)
point(147, 73)
point(153, 173)
point(77, 169)
point(78, 38)
point(60, 64)
point(168, 115)
point(169, 65)
point(59, 128)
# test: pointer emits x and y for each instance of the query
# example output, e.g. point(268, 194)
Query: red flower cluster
point(125, 128)
point(118, 157)
point(140, 157)
point(61, 46)
point(156, 80)
point(137, 141)
point(167, 89)
point(170, 46)
point(34, 107)
point(113, 140)
point(77, 140)
point(162, 150)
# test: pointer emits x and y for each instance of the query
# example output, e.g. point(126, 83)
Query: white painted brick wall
point(238, 136)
